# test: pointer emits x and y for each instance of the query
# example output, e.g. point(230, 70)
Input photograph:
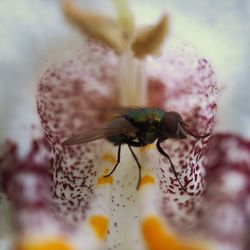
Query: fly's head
point(174, 127)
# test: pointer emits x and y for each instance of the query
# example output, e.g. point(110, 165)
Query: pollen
point(157, 238)
point(49, 244)
point(105, 180)
point(149, 39)
point(109, 158)
point(147, 147)
point(119, 34)
point(147, 179)
point(99, 223)
point(101, 28)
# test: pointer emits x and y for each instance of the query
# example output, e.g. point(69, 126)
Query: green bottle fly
point(138, 127)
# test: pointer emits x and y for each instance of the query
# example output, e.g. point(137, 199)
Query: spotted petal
point(72, 95)
point(84, 208)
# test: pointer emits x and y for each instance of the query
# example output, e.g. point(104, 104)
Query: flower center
point(130, 44)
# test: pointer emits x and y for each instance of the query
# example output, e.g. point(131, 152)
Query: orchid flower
point(55, 197)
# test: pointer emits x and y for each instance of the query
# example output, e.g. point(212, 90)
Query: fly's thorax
point(146, 117)
point(148, 123)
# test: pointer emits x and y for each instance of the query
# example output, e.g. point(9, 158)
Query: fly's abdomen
point(116, 140)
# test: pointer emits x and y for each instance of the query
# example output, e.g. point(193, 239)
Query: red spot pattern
point(74, 95)
point(26, 183)
point(186, 83)
point(226, 213)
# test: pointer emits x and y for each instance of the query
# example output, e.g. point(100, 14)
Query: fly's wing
point(115, 127)
point(121, 111)
point(85, 136)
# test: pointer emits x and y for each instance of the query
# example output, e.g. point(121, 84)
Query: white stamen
point(132, 81)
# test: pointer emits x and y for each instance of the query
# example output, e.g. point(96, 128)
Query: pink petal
point(73, 96)
point(26, 184)
point(183, 81)
point(68, 102)
point(226, 212)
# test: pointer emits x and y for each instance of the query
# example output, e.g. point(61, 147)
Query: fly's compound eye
point(183, 130)
point(173, 126)
point(180, 132)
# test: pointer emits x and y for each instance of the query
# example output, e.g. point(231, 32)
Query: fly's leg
point(130, 144)
point(139, 167)
point(133, 144)
point(117, 162)
point(171, 163)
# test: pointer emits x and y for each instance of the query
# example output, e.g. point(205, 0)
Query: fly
point(138, 127)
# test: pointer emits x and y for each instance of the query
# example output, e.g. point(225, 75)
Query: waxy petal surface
point(225, 212)
point(110, 208)
point(183, 81)
point(67, 105)
point(77, 92)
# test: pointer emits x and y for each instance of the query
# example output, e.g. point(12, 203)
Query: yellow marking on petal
point(147, 147)
point(100, 225)
point(101, 28)
point(147, 179)
point(149, 39)
point(105, 180)
point(157, 238)
point(43, 244)
point(109, 158)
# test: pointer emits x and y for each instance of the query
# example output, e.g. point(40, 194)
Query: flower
point(83, 208)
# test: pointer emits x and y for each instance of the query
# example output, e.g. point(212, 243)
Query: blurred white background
point(33, 33)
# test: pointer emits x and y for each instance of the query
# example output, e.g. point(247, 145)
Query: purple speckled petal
point(73, 95)
point(26, 184)
point(182, 81)
point(53, 189)
point(226, 212)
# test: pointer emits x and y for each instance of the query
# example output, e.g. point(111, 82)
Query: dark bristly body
point(138, 127)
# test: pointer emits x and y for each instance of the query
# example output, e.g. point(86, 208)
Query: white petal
point(32, 34)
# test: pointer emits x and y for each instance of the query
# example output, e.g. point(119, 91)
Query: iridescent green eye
point(138, 127)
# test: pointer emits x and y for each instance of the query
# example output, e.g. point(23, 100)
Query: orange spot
point(147, 147)
point(157, 238)
point(147, 179)
point(109, 158)
point(100, 225)
point(105, 180)
point(39, 244)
